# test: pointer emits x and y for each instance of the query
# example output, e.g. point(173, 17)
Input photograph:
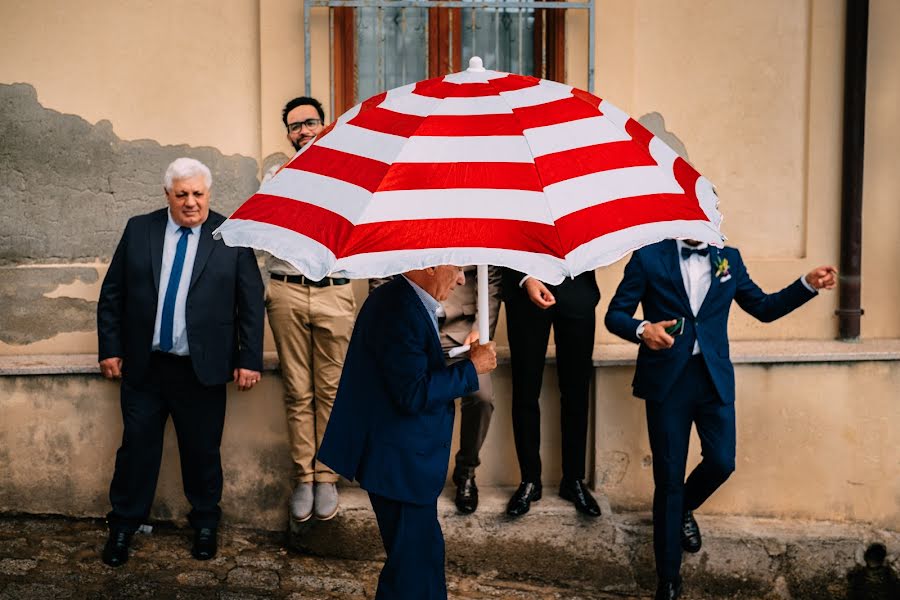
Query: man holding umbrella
point(392, 422)
point(685, 375)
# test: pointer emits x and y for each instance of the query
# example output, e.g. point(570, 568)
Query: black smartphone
point(677, 328)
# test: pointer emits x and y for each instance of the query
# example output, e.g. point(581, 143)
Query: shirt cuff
point(523, 280)
point(807, 286)
point(640, 329)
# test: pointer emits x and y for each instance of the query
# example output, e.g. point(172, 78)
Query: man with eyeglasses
point(311, 322)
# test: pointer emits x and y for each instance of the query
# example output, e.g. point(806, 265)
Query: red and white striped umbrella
point(477, 167)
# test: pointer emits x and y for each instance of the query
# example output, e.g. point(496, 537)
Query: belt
point(168, 356)
point(304, 280)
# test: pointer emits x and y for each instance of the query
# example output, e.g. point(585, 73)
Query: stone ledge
point(742, 557)
point(605, 355)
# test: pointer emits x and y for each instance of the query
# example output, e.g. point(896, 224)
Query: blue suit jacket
point(653, 279)
point(392, 420)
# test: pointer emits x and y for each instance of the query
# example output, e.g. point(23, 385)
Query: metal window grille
point(392, 37)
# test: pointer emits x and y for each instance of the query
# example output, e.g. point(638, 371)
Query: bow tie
point(687, 252)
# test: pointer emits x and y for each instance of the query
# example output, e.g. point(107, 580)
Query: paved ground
point(56, 558)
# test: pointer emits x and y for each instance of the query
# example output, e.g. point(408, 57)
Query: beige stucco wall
point(814, 441)
point(881, 201)
point(753, 90)
point(808, 447)
point(175, 71)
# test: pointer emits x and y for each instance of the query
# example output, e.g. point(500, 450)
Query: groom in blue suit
point(392, 422)
point(685, 374)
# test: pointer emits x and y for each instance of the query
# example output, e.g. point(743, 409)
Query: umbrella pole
point(484, 318)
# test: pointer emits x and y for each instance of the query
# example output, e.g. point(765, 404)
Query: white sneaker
point(326, 501)
point(302, 502)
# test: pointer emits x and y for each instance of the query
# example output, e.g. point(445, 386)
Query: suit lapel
point(205, 247)
point(672, 267)
point(157, 239)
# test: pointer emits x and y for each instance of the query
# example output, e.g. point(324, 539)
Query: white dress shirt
point(433, 307)
point(179, 325)
point(696, 273)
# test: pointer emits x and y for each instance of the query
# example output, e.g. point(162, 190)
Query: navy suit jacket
point(224, 312)
point(392, 420)
point(653, 279)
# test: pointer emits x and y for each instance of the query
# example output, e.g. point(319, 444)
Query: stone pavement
point(59, 558)
point(549, 554)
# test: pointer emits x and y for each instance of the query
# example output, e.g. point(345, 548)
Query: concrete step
point(742, 557)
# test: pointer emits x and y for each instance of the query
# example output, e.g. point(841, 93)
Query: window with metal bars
point(382, 44)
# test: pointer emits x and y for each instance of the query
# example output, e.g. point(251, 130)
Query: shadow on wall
point(66, 190)
point(656, 124)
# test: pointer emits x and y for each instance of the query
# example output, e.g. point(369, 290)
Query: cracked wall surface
point(67, 187)
point(28, 314)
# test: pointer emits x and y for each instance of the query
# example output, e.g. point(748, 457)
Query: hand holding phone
point(677, 328)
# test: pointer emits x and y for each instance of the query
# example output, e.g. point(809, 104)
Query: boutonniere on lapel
point(722, 271)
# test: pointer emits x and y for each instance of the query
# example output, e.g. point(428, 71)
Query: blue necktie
point(687, 252)
point(168, 312)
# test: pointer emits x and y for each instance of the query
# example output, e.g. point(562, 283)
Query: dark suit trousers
point(693, 400)
point(414, 544)
point(198, 413)
point(529, 331)
point(475, 419)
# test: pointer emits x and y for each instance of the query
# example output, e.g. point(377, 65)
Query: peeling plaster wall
point(66, 190)
point(67, 187)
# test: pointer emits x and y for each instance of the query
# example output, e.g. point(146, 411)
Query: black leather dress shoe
point(520, 503)
point(575, 492)
point(115, 552)
point(668, 590)
point(690, 533)
point(466, 496)
point(205, 543)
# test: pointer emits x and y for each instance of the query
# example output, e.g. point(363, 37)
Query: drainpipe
point(855, 51)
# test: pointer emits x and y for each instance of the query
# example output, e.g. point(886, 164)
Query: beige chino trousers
point(312, 327)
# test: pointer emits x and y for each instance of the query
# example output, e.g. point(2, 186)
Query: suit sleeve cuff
point(471, 378)
point(523, 280)
point(807, 286)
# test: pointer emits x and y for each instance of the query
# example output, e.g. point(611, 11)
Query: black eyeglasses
point(309, 123)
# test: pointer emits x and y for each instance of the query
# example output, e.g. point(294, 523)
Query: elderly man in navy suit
point(392, 422)
point(685, 375)
point(180, 315)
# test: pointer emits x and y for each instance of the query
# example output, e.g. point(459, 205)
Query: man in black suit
point(180, 315)
point(531, 308)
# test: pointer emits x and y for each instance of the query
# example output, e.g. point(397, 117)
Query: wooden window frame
point(444, 48)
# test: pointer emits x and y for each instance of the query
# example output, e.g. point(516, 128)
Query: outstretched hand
point(822, 278)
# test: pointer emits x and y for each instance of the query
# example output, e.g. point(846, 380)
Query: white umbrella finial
point(476, 65)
